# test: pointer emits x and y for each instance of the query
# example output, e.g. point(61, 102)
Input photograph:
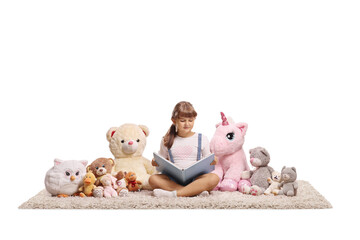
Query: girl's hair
point(182, 109)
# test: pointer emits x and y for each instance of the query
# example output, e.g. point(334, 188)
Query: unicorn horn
point(224, 119)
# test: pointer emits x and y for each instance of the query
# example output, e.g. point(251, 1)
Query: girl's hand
point(215, 161)
point(154, 163)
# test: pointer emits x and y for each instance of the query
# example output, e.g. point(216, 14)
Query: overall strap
point(199, 147)
point(171, 156)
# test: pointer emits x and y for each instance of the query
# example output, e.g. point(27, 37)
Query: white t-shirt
point(184, 150)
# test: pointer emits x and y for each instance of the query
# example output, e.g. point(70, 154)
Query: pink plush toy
point(227, 144)
point(109, 183)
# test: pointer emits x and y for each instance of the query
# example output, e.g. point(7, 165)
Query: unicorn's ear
point(243, 127)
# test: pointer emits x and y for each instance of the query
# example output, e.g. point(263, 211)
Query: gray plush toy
point(260, 159)
point(288, 182)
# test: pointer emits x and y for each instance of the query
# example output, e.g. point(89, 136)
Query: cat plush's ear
point(57, 162)
point(84, 162)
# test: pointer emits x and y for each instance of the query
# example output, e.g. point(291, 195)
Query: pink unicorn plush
point(227, 144)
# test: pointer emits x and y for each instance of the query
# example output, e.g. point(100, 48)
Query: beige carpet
point(307, 198)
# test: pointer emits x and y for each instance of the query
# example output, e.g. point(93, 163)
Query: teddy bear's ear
point(283, 168)
point(112, 161)
point(145, 129)
point(110, 133)
point(264, 152)
point(294, 169)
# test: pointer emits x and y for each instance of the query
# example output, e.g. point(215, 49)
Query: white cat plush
point(65, 177)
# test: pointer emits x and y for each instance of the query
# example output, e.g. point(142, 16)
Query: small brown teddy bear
point(100, 167)
point(131, 183)
point(121, 190)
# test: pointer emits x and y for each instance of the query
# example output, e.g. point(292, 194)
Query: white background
point(70, 70)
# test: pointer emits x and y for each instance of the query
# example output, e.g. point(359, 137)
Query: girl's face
point(184, 126)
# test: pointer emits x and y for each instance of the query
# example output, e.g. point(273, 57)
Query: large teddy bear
point(227, 145)
point(127, 144)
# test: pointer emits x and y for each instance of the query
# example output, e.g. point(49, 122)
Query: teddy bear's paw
point(255, 191)
point(290, 193)
point(228, 185)
point(123, 192)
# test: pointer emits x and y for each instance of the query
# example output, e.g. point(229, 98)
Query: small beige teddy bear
point(274, 184)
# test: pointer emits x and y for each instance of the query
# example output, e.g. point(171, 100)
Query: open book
point(184, 176)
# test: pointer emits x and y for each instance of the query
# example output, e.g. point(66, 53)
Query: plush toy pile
point(130, 171)
point(233, 170)
point(106, 177)
point(72, 178)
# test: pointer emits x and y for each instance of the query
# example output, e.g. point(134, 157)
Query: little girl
point(180, 146)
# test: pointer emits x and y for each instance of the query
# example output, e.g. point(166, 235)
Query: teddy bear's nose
point(131, 143)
